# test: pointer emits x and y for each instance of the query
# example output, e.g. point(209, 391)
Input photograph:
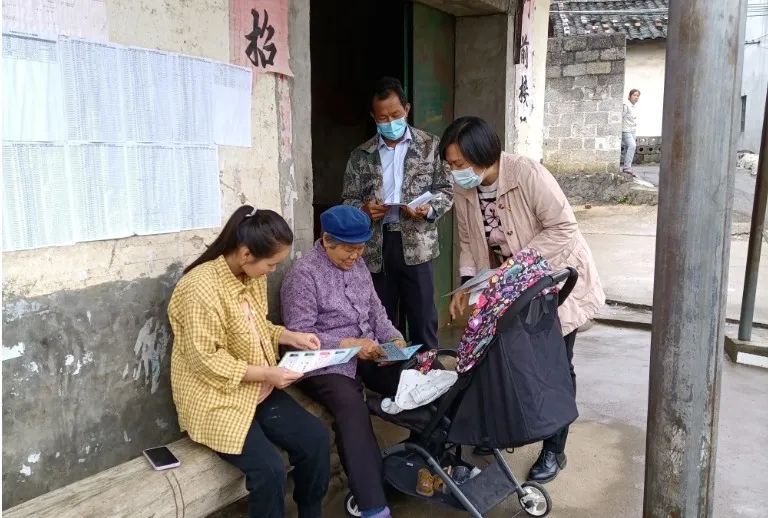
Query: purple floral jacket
point(318, 297)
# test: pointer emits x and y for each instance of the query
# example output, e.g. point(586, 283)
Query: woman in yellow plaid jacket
point(226, 385)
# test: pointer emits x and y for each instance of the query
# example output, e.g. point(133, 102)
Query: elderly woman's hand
point(399, 342)
point(302, 341)
point(369, 349)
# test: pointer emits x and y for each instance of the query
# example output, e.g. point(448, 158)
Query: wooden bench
point(203, 484)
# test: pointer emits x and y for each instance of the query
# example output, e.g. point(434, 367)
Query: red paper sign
point(258, 35)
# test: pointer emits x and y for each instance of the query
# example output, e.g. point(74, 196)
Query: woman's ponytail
point(263, 232)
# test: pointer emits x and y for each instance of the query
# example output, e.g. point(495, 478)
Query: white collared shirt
point(393, 169)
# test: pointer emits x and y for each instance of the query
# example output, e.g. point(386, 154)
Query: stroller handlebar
point(570, 276)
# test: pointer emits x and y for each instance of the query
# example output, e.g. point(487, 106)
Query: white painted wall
point(644, 70)
point(754, 81)
point(530, 134)
point(248, 175)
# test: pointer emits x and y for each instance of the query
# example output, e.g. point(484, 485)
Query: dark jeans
point(280, 420)
point(556, 443)
point(410, 289)
point(358, 450)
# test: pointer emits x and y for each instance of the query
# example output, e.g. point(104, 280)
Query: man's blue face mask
point(393, 130)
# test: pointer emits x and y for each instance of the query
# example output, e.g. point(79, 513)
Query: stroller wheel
point(350, 506)
point(535, 500)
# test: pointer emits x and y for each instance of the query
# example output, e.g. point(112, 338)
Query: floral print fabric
point(512, 278)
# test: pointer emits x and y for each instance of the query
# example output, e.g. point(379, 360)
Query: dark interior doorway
point(352, 44)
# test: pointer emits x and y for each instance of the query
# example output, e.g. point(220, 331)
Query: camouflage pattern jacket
point(423, 171)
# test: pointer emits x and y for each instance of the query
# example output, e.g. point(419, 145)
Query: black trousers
point(409, 291)
point(556, 443)
point(358, 450)
point(282, 421)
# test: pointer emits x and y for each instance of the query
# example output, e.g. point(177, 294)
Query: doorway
point(354, 43)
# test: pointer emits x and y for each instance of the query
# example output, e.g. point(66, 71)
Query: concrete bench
point(203, 484)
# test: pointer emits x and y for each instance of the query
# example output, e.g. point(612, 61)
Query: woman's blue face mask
point(392, 130)
point(467, 178)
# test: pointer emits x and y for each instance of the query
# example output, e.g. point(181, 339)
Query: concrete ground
point(606, 446)
point(743, 190)
point(623, 242)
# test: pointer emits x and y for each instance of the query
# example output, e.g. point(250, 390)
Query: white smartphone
point(161, 458)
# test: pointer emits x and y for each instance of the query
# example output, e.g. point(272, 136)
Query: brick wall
point(583, 103)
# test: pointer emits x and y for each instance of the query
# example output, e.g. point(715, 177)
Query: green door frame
point(429, 76)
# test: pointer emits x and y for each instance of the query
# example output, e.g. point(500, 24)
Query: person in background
point(505, 203)
point(629, 130)
point(397, 165)
point(329, 292)
point(226, 386)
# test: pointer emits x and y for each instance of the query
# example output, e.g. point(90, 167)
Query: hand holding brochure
point(475, 286)
point(421, 200)
point(396, 354)
point(416, 202)
point(477, 283)
point(306, 361)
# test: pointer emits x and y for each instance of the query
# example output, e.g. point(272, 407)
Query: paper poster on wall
point(189, 172)
point(147, 83)
point(193, 98)
point(33, 106)
point(258, 35)
point(197, 176)
point(92, 97)
point(36, 201)
point(97, 135)
point(232, 87)
point(51, 18)
point(100, 191)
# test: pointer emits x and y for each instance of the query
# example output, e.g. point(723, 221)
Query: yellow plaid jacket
point(212, 347)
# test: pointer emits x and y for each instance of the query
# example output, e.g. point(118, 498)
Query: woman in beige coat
point(505, 203)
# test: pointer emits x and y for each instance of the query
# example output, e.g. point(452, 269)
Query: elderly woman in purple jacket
point(329, 292)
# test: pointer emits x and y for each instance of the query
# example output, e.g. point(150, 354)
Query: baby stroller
point(497, 404)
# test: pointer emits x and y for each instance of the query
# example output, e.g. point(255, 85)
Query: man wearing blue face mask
point(393, 168)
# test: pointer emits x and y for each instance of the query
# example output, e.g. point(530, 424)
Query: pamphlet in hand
point(421, 200)
point(477, 283)
point(306, 361)
point(396, 354)
point(475, 286)
point(416, 202)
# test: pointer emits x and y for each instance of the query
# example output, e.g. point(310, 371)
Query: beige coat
point(534, 213)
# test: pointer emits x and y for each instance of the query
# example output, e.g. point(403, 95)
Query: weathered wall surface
point(583, 103)
point(530, 133)
point(485, 72)
point(644, 70)
point(754, 81)
point(86, 345)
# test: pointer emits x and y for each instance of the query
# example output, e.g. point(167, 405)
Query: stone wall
point(583, 103)
point(648, 150)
